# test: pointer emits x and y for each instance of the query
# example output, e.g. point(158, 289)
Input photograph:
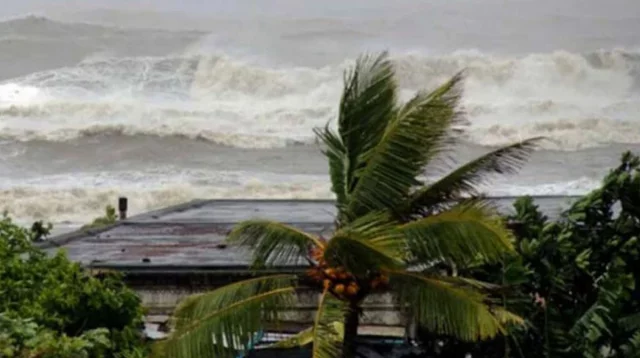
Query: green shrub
point(575, 280)
point(22, 338)
point(109, 218)
point(62, 298)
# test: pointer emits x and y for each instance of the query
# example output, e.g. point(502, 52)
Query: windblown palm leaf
point(505, 317)
point(272, 242)
point(306, 336)
point(409, 141)
point(445, 308)
point(369, 243)
point(464, 232)
point(388, 224)
point(368, 101)
point(465, 179)
point(445, 120)
point(224, 321)
point(324, 332)
point(336, 154)
point(470, 283)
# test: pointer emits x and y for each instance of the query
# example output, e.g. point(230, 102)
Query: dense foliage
point(23, 338)
point(392, 228)
point(59, 305)
point(576, 280)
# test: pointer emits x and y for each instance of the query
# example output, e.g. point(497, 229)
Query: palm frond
point(505, 317)
point(306, 336)
point(464, 232)
point(273, 242)
point(632, 347)
point(446, 120)
point(465, 179)
point(372, 225)
point(299, 339)
point(336, 154)
point(443, 308)
point(372, 242)
point(630, 322)
point(467, 282)
point(326, 335)
point(412, 138)
point(368, 100)
point(224, 321)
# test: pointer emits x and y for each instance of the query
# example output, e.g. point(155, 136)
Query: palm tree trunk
point(351, 322)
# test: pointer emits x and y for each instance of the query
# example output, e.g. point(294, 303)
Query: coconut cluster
point(338, 280)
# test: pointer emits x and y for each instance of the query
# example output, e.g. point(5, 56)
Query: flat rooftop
point(191, 236)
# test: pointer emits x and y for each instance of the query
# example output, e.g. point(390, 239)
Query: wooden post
point(122, 207)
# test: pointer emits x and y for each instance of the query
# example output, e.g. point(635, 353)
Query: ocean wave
point(59, 121)
point(576, 100)
point(80, 197)
point(575, 187)
point(80, 204)
point(561, 134)
point(201, 97)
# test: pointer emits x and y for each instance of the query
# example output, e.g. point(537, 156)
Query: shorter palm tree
point(392, 231)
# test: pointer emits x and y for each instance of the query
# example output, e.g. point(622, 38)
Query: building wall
point(378, 309)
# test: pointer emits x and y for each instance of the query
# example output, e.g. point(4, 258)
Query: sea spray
point(576, 100)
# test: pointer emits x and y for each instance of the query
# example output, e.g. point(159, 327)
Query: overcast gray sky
point(17, 7)
point(312, 7)
point(500, 25)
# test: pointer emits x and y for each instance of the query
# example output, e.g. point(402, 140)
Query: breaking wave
point(576, 100)
point(79, 198)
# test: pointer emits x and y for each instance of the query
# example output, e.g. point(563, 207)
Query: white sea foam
point(205, 97)
point(17, 95)
point(80, 197)
point(562, 188)
point(77, 198)
point(576, 100)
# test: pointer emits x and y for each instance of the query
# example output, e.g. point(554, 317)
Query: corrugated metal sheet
point(162, 244)
point(193, 234)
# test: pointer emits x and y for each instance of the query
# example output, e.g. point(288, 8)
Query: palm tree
point(391, 231)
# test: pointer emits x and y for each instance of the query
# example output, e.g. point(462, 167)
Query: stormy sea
point(219, 101)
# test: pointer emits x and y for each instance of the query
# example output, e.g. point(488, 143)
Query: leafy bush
point(575, 280)
point(25, 338)
point(109, 218)
point(60, 297)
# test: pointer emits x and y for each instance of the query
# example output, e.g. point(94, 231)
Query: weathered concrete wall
point(379, 310)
